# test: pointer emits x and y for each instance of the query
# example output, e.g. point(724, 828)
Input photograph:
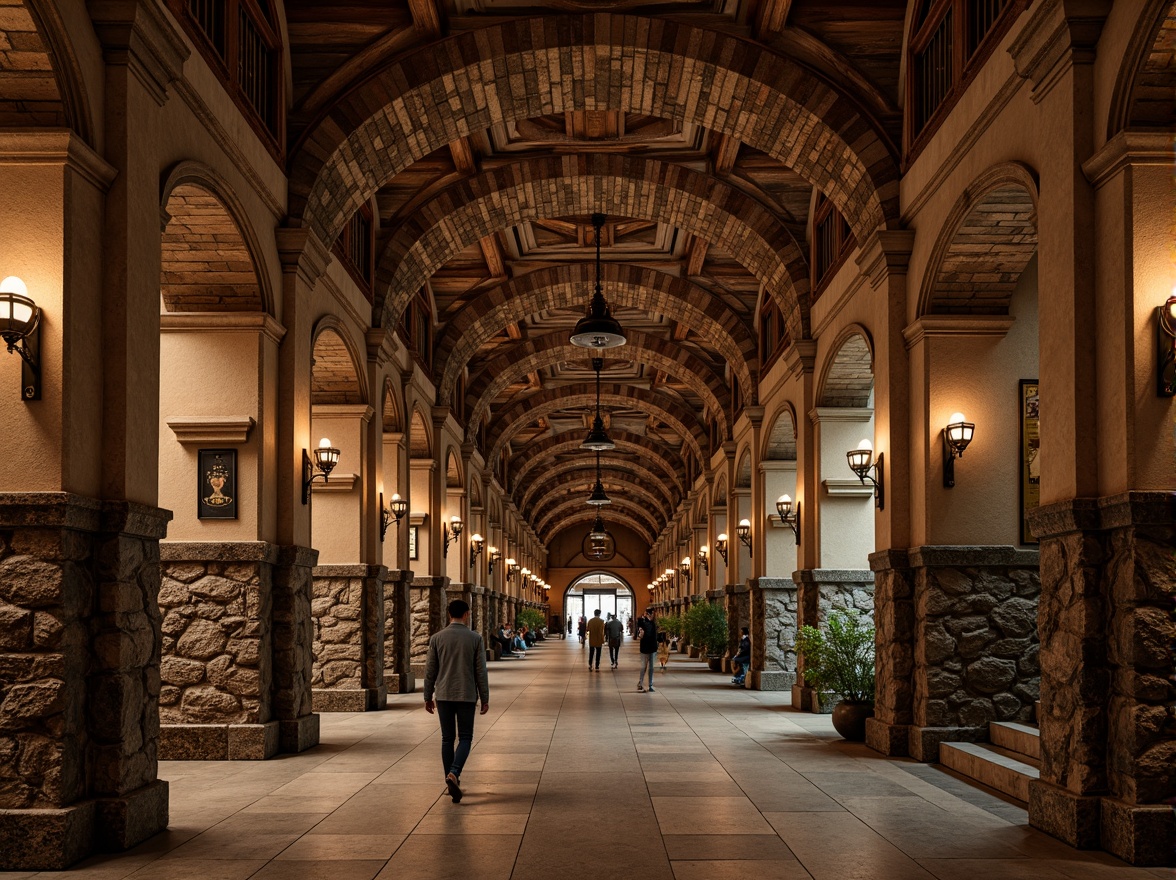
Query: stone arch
point(453, 479)
point(583, 395)
point(702, 509)
point(780, 444)
point(44, 86)
point(720, 492)
point(1146, 83)
point(628, 285)
point(390, 415)
point(608, 462)
point(639, 527)
point(209, 254)
point(474, 491)
point(523, 68)
point(557, 186)
point(420, 444)
point(616, 472)
point(743, 471)
point(638, 512)
point(986, 243)
point(848, 379)
point(650, 451)
point(533, 354)
point(335, 371)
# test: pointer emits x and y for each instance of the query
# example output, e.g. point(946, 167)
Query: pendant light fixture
point(598, 328)
point(598, 439)
point(598, 498)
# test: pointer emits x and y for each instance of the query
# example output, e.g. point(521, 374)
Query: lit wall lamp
point(743, 530)
point(684, 567)
point(450, 533)
point(704, 558)
point(512, 569)
point(956, 437)
point(494, 555)
point(1165, 338)
point(326, 457)
point(669, 576)
point(789, 514)
point(392, 514)
point(860, 463)
point(721, 546)
point(20, 328)
point(476, 545)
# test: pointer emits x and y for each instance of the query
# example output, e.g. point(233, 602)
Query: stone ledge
point(348, 571)
point(774, 680)
point(70, 511)
point(400, 682)
point(218, 551)
point(298, 734)
point(923, 742)
point(218, 742)
point(1099, 514)
point(775, 583)
point(346, 699)
point(833, 576)
point(888, 739)
point(48, 839)
point(1071, 818)
point(962, 556)
point(1143, 835)
point(207, 429)
point(126, 821)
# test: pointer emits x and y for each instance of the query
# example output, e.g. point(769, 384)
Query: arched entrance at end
point(609, 592)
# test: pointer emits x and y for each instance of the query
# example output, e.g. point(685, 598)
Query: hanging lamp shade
point(598, 328)
point(598, 498)
point(598, 439)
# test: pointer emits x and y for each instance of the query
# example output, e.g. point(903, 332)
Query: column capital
point(886, 252)
point(1058, 35)
point(139, 36)
point(303, 253)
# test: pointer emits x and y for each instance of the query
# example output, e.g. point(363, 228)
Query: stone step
point(1023, 739)
point(998, 768)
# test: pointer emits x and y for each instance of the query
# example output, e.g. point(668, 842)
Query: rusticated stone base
point(1141, 835)
point(1069, 817)
point(298, 727)
point(48, 839)
point(398, 677)
point(818, 592)
point(299, 734)
point(923, 742)
point(128, 820)
point(348, 610)
point(773, 634)
point(400, 682)
point(889, 739)
point(219, 742)
point(349, 699)
point(428, 609)
point(769, 681)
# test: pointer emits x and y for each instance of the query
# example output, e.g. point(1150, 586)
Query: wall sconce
point(1165, 339)
point(450, 533)
point(512, 568)
point(392, 514)
point(789, 514)
point(704, 558)
point(684, 567)
point(721, 546)
point(326, 457)
point(743, 530)
point(494, 555)
point(956, 437)
point(860, 463)
point(476, 544)
point(669, 576)
point(526, 577)
point(20, 328)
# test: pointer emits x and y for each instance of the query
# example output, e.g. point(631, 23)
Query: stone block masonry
point(398, 677)
point(80, 655)
point(348, 616)
point(428, 616)
point(818, 592)
point(773, 634)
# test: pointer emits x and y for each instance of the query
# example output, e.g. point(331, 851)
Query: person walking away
point(614, 631)
point(742, 658)
point(569, 624)
point(455, 673)
point(595, 638)
point(647, 643)
point(580, 629)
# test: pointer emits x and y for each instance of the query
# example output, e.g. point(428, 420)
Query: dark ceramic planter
point(715, 663)
point(849, 719)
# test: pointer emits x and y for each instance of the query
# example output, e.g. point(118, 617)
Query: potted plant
point(531, 619)
point(840, 660)
point(706, 626)
point(672, 624)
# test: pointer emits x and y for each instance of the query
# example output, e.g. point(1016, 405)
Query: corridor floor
point(574, 772)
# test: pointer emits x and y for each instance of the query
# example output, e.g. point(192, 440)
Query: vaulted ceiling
point(492, 225)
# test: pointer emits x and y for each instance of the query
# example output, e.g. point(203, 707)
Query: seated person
point(528, 637)
point(518, 645)
point(503, 640)
point(742, 658)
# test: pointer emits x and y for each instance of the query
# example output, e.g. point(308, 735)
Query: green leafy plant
point(671, 623)
point(530, 618)
point(706, 626)
point(841, 658)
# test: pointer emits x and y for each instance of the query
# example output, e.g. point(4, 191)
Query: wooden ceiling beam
point(426, 17)
point(773, 17)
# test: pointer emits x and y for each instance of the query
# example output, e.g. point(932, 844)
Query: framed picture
point(413, 551)
point(1030, 404)
point(216, 484)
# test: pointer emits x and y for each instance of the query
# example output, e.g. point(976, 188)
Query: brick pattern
point(561, 287)
point(584, 516)
point(636, 476)
point(334, 377)
point(1153, 98)
point(782, 439)
point(512, 419)
point(526, 68)
point(206, 266)
point(498, 373)
point(553, 517)
point(558, 186)
point(988, 253)
point(850, 378)
point(31, 97)
point(651, 452)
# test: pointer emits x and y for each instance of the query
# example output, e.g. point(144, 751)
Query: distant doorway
point(600, 590)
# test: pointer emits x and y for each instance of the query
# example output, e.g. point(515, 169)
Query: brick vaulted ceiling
point(508, 278)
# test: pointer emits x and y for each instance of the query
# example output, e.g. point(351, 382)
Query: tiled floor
point(575, 774)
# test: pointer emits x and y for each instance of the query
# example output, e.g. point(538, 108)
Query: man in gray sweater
point(455, 674)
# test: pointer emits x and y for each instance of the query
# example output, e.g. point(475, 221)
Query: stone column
point(398, 675)
point(1107, 624)
point(819, 591)
point(348, 612)
point(217, 694)
point(894, 653)
point(738, 602)
point(773, 634)
point(298, 726)
point(81, 650)
point(428, 617)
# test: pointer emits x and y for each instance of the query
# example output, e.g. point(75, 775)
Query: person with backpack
point(647, 643)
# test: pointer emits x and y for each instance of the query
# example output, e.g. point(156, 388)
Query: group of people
point(513, 642)
point(599, 632)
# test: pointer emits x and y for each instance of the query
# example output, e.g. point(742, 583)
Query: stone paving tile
point(316, 870)
point(760, 869)
point(726, 847)
point(342, 847)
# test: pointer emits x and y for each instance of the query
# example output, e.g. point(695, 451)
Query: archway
point(602, 590)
